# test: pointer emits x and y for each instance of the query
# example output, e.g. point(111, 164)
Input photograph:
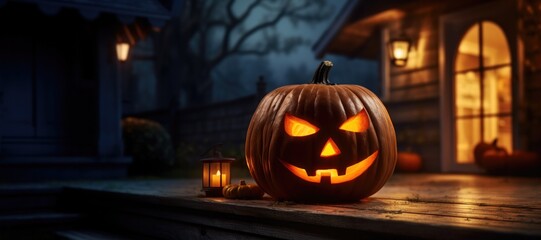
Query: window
point(482, 90)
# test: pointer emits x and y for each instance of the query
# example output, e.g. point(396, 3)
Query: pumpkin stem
point(242, 182)
point(321, 76)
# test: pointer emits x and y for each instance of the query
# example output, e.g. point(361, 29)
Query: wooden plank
point(533, 79)
point(35, 219)
point(423, 76)
point(419, 112)
point(471, 205)
point(430, 91)
point(314, 217)
point(418, 59)
point(424, 32)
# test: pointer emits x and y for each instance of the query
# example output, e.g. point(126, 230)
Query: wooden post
point(109, 101)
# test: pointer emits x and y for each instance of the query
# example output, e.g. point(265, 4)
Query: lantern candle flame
point(215, 182)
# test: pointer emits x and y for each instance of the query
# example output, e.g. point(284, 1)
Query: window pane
point(468, 50)
point(497, 91)
point(467, 94)
point(495, 48)
point(500, 128)
point(468, 133)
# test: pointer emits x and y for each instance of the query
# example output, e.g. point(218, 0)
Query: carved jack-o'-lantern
point(321, 142)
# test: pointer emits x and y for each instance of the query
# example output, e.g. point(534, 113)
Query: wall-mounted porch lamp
point(398, 50)
point(122, 51)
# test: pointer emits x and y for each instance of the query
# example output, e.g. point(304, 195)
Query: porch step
point(22, 220)
point(40, 225)
point(28, 198)
point(94, 234)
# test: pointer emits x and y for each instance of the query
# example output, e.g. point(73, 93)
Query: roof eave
point(337, 24)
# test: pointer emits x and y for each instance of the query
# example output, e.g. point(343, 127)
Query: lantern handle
point(214, 149)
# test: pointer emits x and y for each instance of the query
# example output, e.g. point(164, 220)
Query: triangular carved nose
point(330, 149)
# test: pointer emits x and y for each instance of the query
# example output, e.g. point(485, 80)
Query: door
point(478, 74)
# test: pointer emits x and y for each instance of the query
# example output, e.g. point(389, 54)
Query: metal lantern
point(216, 173)
point(398, 51)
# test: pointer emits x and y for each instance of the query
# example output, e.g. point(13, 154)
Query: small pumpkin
point(480, 149)
point(321, 142)
point(524, 161)
point(495, 160)
point(409, 162)
point(242, 191)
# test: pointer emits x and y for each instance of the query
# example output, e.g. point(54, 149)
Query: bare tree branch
point(236, 48)
point(210, 31)
point(249, 10)
point(230, 12)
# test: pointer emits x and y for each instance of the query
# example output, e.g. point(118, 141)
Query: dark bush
point(149, 145)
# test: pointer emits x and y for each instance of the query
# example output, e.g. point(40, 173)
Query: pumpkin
point(242, 191)
point(409, 162)
point(520, 162)
point(321, 142)
point(524, 161)
point(480, 149)
point(495, 160)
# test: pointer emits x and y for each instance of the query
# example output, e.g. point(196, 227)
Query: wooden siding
point(529, 22)
point(413, 99)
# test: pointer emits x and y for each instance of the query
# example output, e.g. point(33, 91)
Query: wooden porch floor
point(413, 206)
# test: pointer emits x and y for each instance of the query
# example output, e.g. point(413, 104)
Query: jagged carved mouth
point(352, 171)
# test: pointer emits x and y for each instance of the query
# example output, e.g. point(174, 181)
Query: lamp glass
point(399, 50)
point(122, 51)
point(216, 174)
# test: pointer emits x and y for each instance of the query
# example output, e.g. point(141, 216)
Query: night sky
point(294, 68)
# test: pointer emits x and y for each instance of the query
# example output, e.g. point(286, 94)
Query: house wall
point(59, 98)
point(413, 90)
point(530, 33)
point(47, 86)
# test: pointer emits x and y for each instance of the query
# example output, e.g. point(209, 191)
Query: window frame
point(452, 28)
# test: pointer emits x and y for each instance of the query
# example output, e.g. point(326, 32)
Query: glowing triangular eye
point(297, 127)
point(357, 123)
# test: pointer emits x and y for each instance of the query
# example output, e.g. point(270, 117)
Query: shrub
point(149, 145)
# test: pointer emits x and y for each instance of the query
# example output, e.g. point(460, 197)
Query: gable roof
point(355, 30)
point(125, 10)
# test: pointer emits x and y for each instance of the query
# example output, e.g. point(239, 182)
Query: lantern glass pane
point(122, 50)
point(220, 174)
point(226, 169)
point(206, 175)
point(400, 49)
